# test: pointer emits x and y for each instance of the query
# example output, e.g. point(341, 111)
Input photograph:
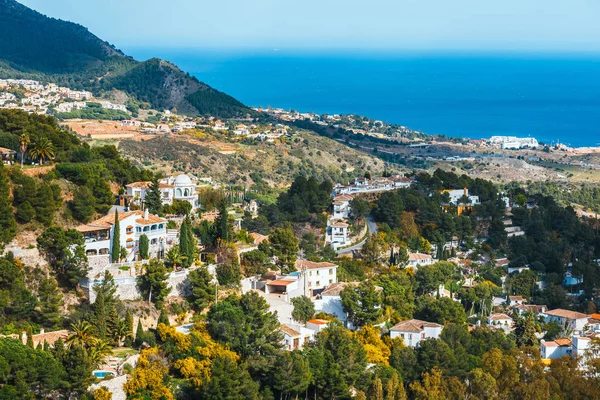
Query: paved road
point(372, 226)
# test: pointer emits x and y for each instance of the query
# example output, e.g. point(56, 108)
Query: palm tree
point(100, 350)
point(121, 331)
point(42, 149)
point(24, 141)
point(174, 257)
point(81, 334)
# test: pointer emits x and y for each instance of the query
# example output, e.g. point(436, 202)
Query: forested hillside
point(34, 46)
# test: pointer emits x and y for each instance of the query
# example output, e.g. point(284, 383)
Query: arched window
point(178, 193)
point(146, 228)
point(186, 192)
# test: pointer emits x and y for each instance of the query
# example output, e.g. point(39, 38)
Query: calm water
point(546, 97)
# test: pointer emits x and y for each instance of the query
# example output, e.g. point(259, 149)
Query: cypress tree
point(8, 225)
point(29, 338)
point(100, 315)
point(191, 250)
point(144, 246)
point(46, 346)
point(116, 240)
point(139, 333)
point(184, 241)
point(163, 318)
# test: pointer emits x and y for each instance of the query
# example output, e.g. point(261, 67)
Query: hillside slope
point(34, 46)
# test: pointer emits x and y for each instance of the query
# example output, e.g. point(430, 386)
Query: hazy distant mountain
point(38, 47)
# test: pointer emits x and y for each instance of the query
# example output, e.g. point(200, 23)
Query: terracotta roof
point(414, 325)
point(5, 150)
point(289, 331)
point(516, 298)
point(549, 343)
point(258, 238)
point(48, 337)
point(88, 228)
point(139, 184)
point(340, 224)
point(559, 312)
point(497, 317)
point(281, 282)
point(595, 316)
point(563, 342)
point(152, 219)
point(300, 264)
point(108, 220)
point(318, 321)
point(418, 256)
point(343, 197)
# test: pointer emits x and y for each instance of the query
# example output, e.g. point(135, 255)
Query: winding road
point(372, 226)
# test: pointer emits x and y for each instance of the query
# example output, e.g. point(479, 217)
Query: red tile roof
point(414, 325)
point(559, 312)
point(300, 264)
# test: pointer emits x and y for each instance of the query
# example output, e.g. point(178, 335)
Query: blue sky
point(471, 25)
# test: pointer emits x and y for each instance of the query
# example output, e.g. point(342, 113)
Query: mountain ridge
point(34, 46)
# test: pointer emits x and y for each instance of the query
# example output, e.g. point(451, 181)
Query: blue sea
point(549, 97)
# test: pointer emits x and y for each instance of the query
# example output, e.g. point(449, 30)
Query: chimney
point(24, 336)
point(42, 331)
point(146, 214)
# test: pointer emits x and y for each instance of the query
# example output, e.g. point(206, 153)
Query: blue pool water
point(102, 374)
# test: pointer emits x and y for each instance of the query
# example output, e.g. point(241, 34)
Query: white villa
point(575, 321)
point(414, 331)
point(132, 224)
point(341, 206)
point(179, 188)
point(317, 275)
point(554, 349)
point(417, 259)
point(500, 321)
point(457, 194)
point(337, 233)
point(295, 337)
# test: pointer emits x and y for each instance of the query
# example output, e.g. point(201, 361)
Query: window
point(129, 230)
point(154, 241)
point(410, 336)
point(160, 226)
point(402, 335)
point(146, 229)
point(330, 281)
point(138, 229)
point(318, 283)
point(330, 271)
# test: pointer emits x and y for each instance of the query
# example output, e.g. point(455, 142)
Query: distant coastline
point(550, 98)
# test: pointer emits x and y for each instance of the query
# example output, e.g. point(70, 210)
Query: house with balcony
point(179, 188)
point(341, 206)
point(99, 234)
point(414, 331)
point(337, 233)
point(317, 275)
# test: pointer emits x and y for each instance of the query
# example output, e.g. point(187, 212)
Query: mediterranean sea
point(550, 97)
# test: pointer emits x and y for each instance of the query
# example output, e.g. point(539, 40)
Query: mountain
point(35, 46)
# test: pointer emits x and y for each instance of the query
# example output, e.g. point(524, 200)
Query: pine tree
point(153, 203)
point(45, 205)
point(163, 318)
point(116, 240)
point(8, 225)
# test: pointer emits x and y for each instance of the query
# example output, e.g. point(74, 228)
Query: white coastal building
point(132, 224)
point(341, 206)
point(573, 320)
point(337, 233)
point(414, 331)
point(179, 188)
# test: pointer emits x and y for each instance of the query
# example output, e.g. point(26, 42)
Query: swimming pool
point(103, 374)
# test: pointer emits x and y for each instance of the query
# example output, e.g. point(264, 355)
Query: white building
point(555, 349)
point(295, 337)
point(337, 233)
point(417, 259)
point(457, 195)
point(341, 206)
point(414, 331)
point(317, 275)
point(363, 185)
point(513, 142)
point(317, 325)
point(179, 188)
point(573, 320)
point(500, 321)
point(132, 224)
point(514, 300)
